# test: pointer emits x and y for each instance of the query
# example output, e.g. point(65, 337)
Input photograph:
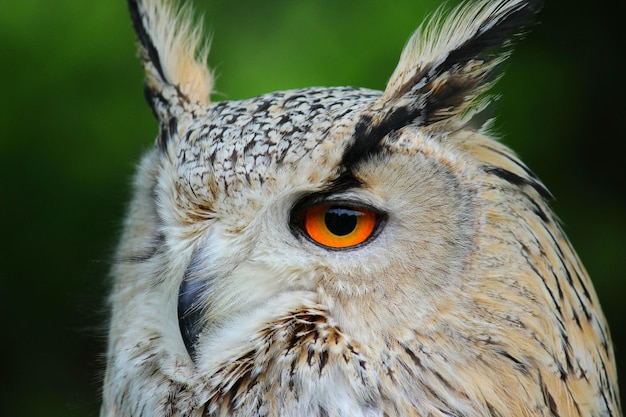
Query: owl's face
point(344, 251)
point(273, 196)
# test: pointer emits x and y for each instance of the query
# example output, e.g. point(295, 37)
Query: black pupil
point(341, 221)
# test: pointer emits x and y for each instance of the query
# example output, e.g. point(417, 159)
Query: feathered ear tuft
point(173, 53)
point(451, 61)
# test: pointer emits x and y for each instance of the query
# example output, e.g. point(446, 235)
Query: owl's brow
point(369, 135)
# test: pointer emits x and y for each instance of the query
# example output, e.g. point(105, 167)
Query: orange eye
point(339, 226)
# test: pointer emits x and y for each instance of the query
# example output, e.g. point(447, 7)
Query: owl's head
point(315, 250)
point(387, 211)
point(359, 200)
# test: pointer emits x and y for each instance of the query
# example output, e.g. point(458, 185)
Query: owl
point(335, 252)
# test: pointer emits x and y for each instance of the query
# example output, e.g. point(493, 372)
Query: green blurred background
point(73, 122)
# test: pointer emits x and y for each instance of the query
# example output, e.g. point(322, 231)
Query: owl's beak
point(190, 323)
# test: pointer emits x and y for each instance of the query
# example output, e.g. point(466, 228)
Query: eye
point(338, 226)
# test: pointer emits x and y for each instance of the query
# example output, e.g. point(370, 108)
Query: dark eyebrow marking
point(369, 135)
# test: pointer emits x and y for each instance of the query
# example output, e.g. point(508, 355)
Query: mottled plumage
point(436, 281)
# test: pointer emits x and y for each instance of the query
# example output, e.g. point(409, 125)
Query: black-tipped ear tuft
point(449, 63)
point(173, 55)
point(143, 37)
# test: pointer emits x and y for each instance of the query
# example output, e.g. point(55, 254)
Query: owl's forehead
point(244, 142)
